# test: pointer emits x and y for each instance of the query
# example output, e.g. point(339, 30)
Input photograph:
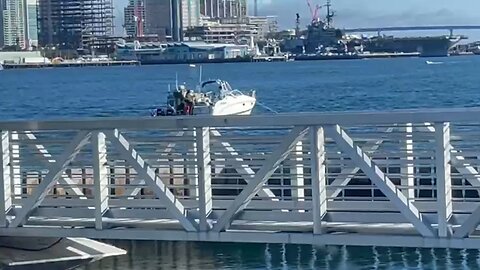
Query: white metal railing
point(338, 178)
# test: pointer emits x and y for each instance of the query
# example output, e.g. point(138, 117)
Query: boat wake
point(433, 63)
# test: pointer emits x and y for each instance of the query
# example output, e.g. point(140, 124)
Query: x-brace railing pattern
point(202, 215)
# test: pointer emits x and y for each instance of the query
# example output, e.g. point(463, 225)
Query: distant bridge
point(451, 28)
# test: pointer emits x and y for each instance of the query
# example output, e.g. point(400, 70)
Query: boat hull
point(230, 105)
point(226, 101)
point(238, 105)
point(436, 46)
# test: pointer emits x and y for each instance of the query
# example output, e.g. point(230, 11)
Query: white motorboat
point(212, 97)
point(433, 63)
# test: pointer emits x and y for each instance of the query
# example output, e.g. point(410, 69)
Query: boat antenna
point(176, 80)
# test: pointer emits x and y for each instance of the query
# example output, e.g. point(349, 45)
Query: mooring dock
point(71, 64)
point(402, 178)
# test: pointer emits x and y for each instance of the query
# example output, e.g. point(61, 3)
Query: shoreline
point(221, 61)
point(70, 64)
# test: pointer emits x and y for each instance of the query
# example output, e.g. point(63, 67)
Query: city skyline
point(365, 13)
point(74, 25)
point(360, 13)
point(372, 12)
point(380, 13)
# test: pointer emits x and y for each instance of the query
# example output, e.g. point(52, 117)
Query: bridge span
point(403, 178)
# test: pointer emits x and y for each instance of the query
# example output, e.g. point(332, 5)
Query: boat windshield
point(216, 87)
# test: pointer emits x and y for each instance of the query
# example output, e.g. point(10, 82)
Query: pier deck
point(402, 178)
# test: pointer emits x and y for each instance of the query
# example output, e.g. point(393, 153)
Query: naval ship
point(322, 39)
point(319, 34)
point(428, 46)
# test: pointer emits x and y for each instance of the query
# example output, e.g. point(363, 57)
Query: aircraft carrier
point(428, 46)
point(322, 38)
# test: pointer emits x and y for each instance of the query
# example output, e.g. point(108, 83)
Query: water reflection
point(181, 255)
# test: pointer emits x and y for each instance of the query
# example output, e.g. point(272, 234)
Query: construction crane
point(314, 11)
point(315, 14)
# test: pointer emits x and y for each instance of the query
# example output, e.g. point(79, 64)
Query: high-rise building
point(135, 18)
point(14, 23)
point(190, 13)
point(210, 8)
point(164, 18)
point(2, 8)
point(224, 8)
point(32, 26)
point(74, 24)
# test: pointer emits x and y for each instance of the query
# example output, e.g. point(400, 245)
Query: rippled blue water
point(168, 255)
point(295, 86)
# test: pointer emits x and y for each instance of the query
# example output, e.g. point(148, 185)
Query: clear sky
point(354, 13)
point(371, 13)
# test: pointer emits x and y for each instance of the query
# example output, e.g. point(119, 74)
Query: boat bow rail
point(399, 178)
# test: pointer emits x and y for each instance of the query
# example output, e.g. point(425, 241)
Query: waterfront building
point(203, 51)
point(163, 18)
point(179, 52)
point(81, 24)
point(216, 32)
point(265, 25)
point(14, 23)
point(17, 57)
point(134, 18)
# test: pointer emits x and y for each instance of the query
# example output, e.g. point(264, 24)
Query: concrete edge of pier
point(52, 253)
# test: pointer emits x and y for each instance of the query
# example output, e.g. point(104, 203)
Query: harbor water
point(375, 84)
point(380, 84)
point(169, 255)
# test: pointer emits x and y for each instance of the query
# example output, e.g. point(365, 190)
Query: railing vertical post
point(408, 171)
point(15, 168)
point(204, 168)
point(5, 178)
point(191, 166)
point(100, 177)
point(443, 175)
point(319, 192)
point(297, 174)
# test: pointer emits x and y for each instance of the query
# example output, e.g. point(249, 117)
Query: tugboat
point(212, 97)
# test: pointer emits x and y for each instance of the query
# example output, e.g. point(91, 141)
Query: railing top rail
point(277, 120)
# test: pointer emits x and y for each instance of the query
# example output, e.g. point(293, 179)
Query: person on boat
point(219, 95)
point(179, 96)
point(189, 102)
